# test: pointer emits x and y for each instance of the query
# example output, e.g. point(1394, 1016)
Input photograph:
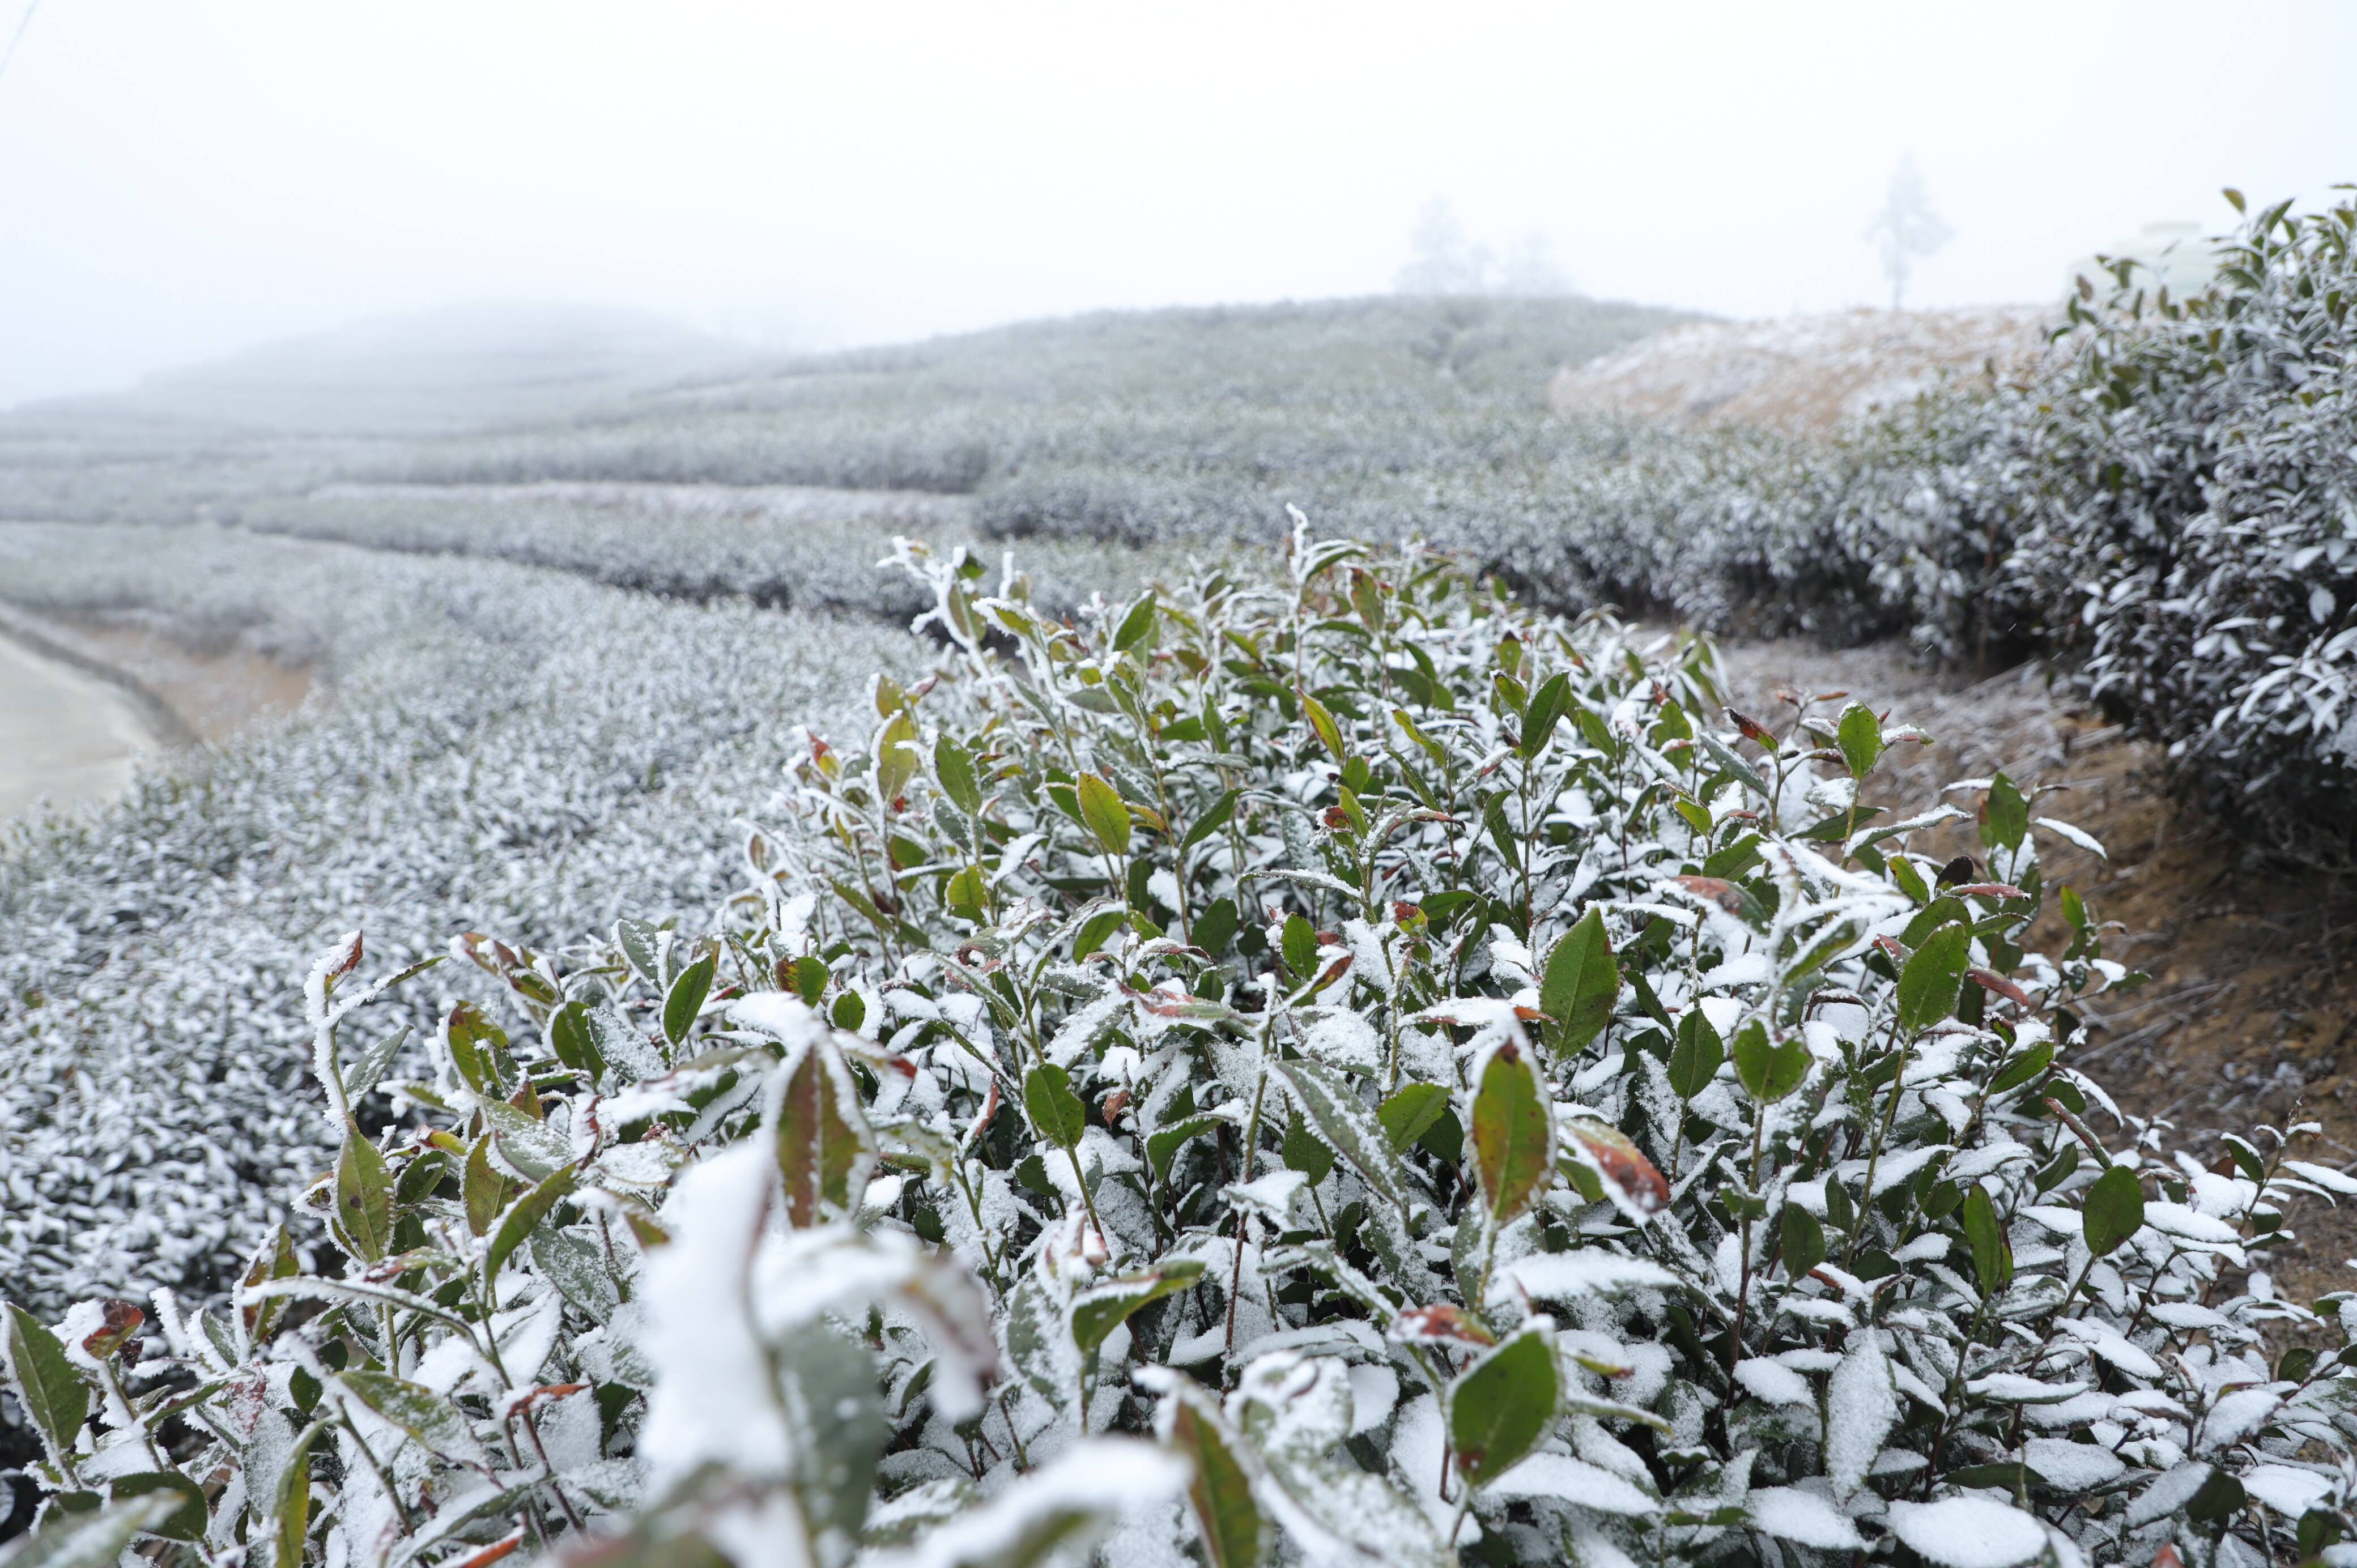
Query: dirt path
point(2250, 1017)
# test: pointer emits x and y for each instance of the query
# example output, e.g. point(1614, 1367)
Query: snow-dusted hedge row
point(804, 548)
point(2193, 526)
point(1345, 1070)
point(2170, 501)
point(508, 750)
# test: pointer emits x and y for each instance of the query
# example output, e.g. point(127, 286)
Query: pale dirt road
point(63, 734)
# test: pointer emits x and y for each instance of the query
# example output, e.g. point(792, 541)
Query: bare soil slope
point(1802, 375)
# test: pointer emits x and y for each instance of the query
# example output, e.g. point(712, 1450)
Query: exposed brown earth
point(1802, 375)
point(209, 688)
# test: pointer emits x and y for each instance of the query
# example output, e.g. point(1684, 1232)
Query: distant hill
point(435, 372)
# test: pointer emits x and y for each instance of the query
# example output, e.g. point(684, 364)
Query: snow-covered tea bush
point(803, 549)
point(505, 749)
point(2187, 516)
point(1349, 1071)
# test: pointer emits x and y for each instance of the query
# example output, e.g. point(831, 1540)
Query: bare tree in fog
point(1906, 230)
point(1442, 259)
point(1531, 270)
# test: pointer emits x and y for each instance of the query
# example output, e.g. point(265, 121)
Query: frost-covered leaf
point(1337, 1115)
point(1058, 1510)
point(45, 1382)
point(819, 1129)
point(1513, 1132)
point(90, 1539)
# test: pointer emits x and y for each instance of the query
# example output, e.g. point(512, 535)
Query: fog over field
point(815, 786)
point(180, 183)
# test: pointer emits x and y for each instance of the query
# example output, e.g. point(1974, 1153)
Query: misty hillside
point(1177, 421)
point(435, 371)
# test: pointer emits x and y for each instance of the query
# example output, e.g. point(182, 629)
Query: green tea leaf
point(1696, 1058)
point(1210, 821)
point(896, 755)
point(1769, 1072)
point(291, 1508)
point(524, 1217)
point(1992, 1256)
point(186, 1516)
point(1322, 722)
point(1162, 1146)
point(1054, 1109)
point(954, 765)
point(1803, 1241)
point(1101, 1308)
point(364, 1196)
point(1860, 737)
point(1102, 809)
point(1503, 1405)
point(1581, 982)
point(1137, 626)
point(1548, 706)
point(483, 1189)
point(2114, 1210)
point(1303, 1151)
point(1233, 1531)
point(1934, 973)
point(826, 1384)
point(46, 1383)
point(2005, 817)
point(1301, 945)
point(1410, 1112)
point(686, 998)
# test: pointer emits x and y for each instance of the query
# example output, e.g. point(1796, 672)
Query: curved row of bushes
point(1345, 1069)
point(2169, 501)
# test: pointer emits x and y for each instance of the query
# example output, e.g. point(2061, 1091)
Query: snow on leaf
point(2291, 1492)
point(2069, 1466)
point(2016, 1388)
point(1803, 1518)
point(1588, 1270)
point(1563, 1478)
point(1775, 1382)
point(1065, 1505)
point(1968, 1532)
point(1861, 1407)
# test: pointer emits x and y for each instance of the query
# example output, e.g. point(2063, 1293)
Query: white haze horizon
point(179, 183)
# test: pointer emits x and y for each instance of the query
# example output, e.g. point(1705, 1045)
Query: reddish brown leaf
point(122, 1320)
point(1751, 728)
point(1989, 890)
point(1623, 1164)
point(1718, 890)
point(2002, 987)
point(1114, 1104)
point(1439, 1323)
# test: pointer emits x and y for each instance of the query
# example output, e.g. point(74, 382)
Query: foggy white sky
point(178, 178)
